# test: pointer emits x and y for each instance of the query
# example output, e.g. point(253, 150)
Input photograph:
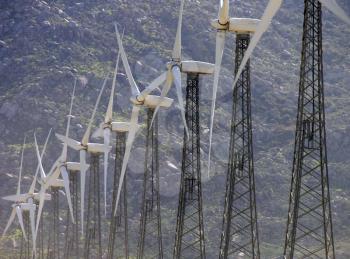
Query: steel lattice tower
point(118, 232)
point(309, 231)
point(71, 249)
point(93, 235)
point(40, 236)
point(189, 240)
point(25, 251)
point(150, 241)
point(239, 237)
point(53, 245)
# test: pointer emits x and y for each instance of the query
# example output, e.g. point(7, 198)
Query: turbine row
point(58, 175)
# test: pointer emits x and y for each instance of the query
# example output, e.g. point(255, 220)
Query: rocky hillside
point(45, 44)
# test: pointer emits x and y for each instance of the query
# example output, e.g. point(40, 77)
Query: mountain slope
point(43, 45)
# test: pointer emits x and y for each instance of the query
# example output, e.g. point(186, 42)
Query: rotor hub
point(137, 100)
point(107, 125)
point(219, 26)
point(173, 63)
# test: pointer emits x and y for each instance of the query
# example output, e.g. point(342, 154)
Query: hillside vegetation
point(45, 44)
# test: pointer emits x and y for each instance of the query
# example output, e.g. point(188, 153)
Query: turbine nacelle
point(97, 148)
point(197, 67)
point(122, 126)
point(27, 206)
point(36, 196)
point(237, 25)
point(74, 166)
point(58, 183)
point(152, 101)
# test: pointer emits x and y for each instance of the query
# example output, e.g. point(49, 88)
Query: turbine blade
point(85, 139)
point(40, 209)
point(177, 80)
point(333, 6)
point(15, 198)
point(76, 145)
point(134, 89)
point(98, 133)
point(270, 11)
point(20, 168)
point(20, 219)
point(32, 187)
point(176, 55)
point(9, 222)
point(220, 45)
point(109, 113)
point(54, 167)
point(106, 136)
point(72, 99)
point(129, 142)
point(165, 90)
point(155, 84)
point(65, 144)
point(83, 169)
point(224, 12)
point(65, 178)
point(42, 172)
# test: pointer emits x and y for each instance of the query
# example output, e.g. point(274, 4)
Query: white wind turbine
point(172, 75)
point(31, 193)
point(176, 66)
point(25, 201)
point(224, 23)
point(106, 128)
point(83, 147)
point(16, 207)
point(139, 99)
point(60, 167)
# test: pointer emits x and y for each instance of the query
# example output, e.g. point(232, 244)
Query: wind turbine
point(83, 147)
point(16, 207)
point(60, 167)
point(138, 99)
point(107, 127)
point(224, 24)
point(25, 201)
point(31, 193)
point(172, 75)
point(176, 66)
point(72, 167)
